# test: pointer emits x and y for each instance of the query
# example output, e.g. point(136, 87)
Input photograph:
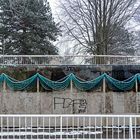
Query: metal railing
point(70, 127)
point(43, 60)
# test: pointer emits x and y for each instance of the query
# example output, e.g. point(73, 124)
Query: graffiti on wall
point(77, 105)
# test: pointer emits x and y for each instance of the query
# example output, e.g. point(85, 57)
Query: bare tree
point(93, 24)
point(137, 27)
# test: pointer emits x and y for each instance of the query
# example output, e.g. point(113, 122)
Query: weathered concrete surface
point(43, 103)
point(68, 103)
point(94, 102)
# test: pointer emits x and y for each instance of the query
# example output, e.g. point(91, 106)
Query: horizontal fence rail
point(68, 127)
point(43, 60)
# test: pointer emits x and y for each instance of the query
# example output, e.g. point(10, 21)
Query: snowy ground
point(78, 133)
point(72, 133)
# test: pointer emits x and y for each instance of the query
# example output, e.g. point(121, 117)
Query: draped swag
point(64, 83)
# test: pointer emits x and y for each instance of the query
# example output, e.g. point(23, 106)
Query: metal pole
point(104, 94)
point(136, 85)
point(61, 127)
point(71, 87)
point(4, 85)
point(104, 85)
point(130, 129)
point(37, 85)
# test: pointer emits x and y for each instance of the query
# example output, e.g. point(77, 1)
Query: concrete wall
point(71, 102)
point(65, 102)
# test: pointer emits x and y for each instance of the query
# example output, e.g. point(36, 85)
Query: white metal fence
point(43, 60)
point(70, 127)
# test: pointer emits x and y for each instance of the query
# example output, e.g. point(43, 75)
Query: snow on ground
point(49, 133)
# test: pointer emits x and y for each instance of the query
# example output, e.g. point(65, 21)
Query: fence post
point(130, 129)
point(4, 85)
point(104, 93)
point(95, 60)
point(136, 85)
point(104, 85)
point(71, 86)
point(61, 128)
point(37, 84)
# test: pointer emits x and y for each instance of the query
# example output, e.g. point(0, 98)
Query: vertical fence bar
point(61, 127)
point(20, 60)
point(31, 127)
point(130, 129)
point(37, 127)
point(101, 127)
point(89, 120)
point(49, 119)
point(7, 123)
point(73, 126)
point(112, 124)
point(25, 125)
point(107, 127)
point(1, 120)
point(55, 126)
point(19, 125)
point(95, 127)
point(14, 133)
point(123, 127)
point(118, 128)
point(135, 129)
point(67, 125)
point(78, 125)
point(95, 59)
point(43, 128)
point(126, 60)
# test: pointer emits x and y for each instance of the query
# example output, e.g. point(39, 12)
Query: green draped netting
point(64, 83)
point(55, 85)
point(10, 78)
point(20, 85)
point(87, 85)
point(117, 85)
point(1, 79)
point(138, 78)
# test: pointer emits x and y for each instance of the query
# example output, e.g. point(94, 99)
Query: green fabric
point(20, 85)
point(55, 85)
point(87, 85)
point(1, 79)
point(117, 85)
point(64, 83)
